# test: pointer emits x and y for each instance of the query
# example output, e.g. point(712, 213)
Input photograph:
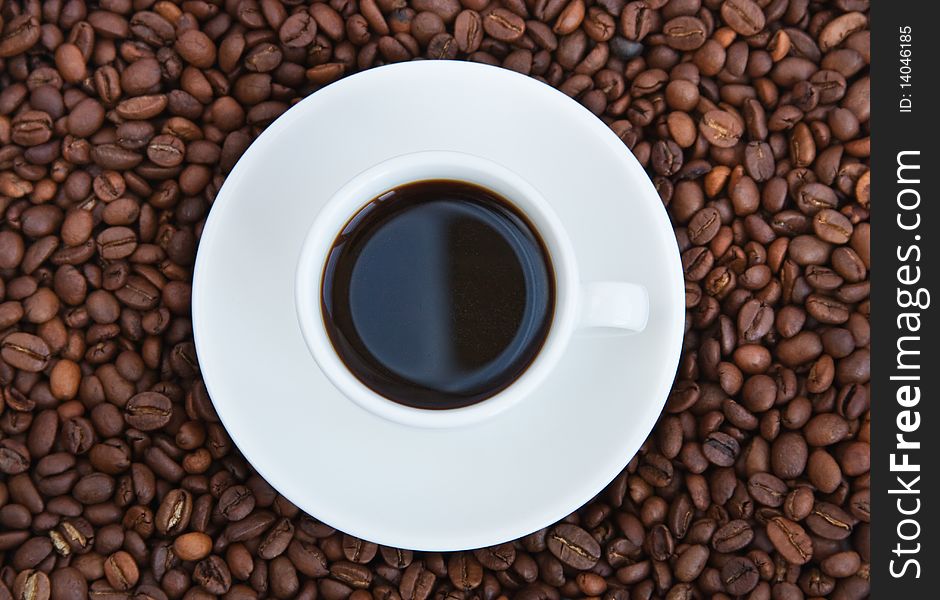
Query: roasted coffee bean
point(93, 488)
point(121, 571)
point(573, 546)
point(250, 527)
point(396, 557)
point(308, 558)
point(704, 225)
point(660, 543)
point(823, 471)
point(759, 160)
point(691, 562)
point(789, 455)
point(213, 575)
point(417, 582)
point(720, 449)
point(148, 411)
point(192, 546)
point(798, 503)
point(236, 503)
point(465, 571)
point(739, 575)
point(790, 540)
point(496, 558)
point(841, 564)
point(504, 25)
point(68, 582)
point(732, 536)
point(830, 521)
point(25, 351)
point(767, 489)
point(31, 128)
point(357, 550)
point(743, 16)
point(825, 429)
point(636, 20)
point(468, 31)
point(685, 33)
point(656, 470)
point(298, 30)
point(30, 584)
point(352, 574)
point(174, 512)
point(755, 320)
point(116, 243)
point(166, 150)
point(720, 128)
point(276, 540)
point(19, 35)
point(196, 48)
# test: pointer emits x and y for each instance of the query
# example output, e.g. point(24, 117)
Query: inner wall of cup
point(369, 185)
point(388, 179)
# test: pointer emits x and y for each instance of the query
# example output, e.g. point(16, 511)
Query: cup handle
point(614, 305)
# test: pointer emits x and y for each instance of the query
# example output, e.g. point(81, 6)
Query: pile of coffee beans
point(119, 120)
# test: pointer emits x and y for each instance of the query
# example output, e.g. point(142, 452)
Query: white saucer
point(430, 489)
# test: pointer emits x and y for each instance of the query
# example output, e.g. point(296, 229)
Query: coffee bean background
point(119, 120)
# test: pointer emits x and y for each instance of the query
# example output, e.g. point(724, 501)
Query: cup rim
point(352, 197)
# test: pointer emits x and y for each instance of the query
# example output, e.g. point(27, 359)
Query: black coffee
point(438, 294)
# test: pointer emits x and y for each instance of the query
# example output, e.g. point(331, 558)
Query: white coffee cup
point(609, 307)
